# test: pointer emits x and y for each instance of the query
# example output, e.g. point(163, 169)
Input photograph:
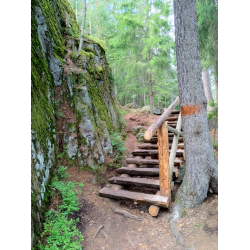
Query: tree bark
point(98, 29)
point(201, 167)
point(207, 85)
point(90, 31)
point(216, 90)
point(84, 9)
point(76, 12)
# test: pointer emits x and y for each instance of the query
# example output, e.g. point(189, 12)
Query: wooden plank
point(138, 171)
point(163, 154)
point(158, 200)
point(148, 146)
point(153, 128)
point(154, 152)
point(141, 182)
point(154, 140)
point(155, 146)
point(177, 161)
point(175, 112)
point(145, 152)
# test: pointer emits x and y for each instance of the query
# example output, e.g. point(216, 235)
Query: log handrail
point(153, 128)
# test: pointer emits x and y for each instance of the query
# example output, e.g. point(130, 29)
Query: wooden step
point(157, 200)
point(155, 140)
point(175, 112)
point(154, 152)
point(150, 146)
point(177, 161)
point(155, 146)
point(138, 171)
point(141, 182)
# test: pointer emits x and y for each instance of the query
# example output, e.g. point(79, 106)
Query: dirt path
point(199, 226)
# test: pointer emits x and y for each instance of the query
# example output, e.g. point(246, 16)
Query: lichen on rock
point(74, 110)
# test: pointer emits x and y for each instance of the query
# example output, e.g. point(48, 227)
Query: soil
point(199, 225)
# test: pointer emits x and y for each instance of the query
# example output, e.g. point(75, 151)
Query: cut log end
point(154, 210)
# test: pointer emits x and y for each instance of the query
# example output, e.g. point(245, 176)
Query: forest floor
point(199, 226)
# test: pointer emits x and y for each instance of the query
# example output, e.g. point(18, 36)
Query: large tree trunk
point(98, 29)
point(150, 87)
point(201, 167)
point(207, 85)
point(83, 24)
point(216, 90)
point(76, 12)
point(90, 31)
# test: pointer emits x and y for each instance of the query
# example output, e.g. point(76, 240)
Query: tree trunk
point(84, 9)
point(216, 90)
point(150, 87)
point(76, 12)
point(201, 167)
point(207, 85)
point(98, 30)
point(90, 31)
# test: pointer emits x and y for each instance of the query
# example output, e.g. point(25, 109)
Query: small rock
point(108, 185)
point(142, 212)
point(135, 202)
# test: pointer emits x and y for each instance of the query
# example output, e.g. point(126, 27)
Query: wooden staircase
point(145, 163)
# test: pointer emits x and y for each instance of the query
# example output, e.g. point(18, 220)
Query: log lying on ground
point(153, 128)
point(139, 171)
point(154, 210)
point(140, 182)
point(158, 200)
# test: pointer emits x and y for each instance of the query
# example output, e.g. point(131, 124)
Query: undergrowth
point(119, 145)
point(59, 232)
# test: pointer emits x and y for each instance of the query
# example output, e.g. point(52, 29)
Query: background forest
point(138, 36)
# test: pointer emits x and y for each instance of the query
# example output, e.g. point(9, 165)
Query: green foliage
point(123, 112)
point(214, 112)
point(94, 168)
point(62, 174)
point(59, 231)
point(117, 142)
point(119, 145)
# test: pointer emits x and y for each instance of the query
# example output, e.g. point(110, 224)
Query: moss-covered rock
point(84, 90)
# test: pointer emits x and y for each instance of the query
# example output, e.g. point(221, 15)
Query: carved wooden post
point(163, 154)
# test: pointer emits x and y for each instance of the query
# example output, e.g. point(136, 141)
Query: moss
point(87, 49)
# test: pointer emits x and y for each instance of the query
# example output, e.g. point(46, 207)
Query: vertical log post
point(163, 152)
point(174, 146)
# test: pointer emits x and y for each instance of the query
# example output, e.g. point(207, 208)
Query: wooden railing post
point(163, 154)
point(174, 146)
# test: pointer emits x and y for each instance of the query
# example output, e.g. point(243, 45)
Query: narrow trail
point(199, 226)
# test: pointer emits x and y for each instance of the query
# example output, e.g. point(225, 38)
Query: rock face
point(74, 112)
